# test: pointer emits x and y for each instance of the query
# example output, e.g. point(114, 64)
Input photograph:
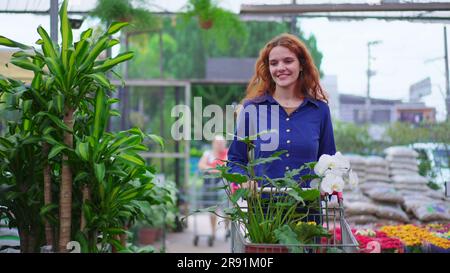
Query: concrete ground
point(183, 242)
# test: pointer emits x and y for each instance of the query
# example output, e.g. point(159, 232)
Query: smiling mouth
point(282, 76)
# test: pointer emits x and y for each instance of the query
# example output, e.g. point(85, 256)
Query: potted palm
point(69, 178)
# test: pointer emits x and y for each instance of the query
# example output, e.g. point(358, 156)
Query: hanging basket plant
point(206, 24)
point(124, 11)
point(222, 25)
point(205, 11)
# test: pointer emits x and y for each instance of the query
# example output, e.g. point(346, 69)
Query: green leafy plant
point(222, 25)
point(282, 210)
point(124, 11)
point(274, 205)
point(160, 215)
point(60, 147)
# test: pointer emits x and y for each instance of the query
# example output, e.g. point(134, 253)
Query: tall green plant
point(99, 176)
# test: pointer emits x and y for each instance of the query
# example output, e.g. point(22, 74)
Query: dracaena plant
point(271, 213)
point(98, 176)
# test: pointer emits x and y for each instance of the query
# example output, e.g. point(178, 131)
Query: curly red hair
point(308, 81)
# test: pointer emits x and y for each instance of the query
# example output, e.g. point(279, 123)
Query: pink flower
point(234, 187)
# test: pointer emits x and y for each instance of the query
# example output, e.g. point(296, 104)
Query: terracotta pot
point(147, 236)
point(159, 233)
point(255, 248)
point(206, 24)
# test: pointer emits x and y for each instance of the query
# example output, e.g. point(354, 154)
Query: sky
point(401, 59)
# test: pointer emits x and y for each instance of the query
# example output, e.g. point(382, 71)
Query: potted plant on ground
point(156, 218)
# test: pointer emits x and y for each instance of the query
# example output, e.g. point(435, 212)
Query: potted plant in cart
point(60, 149)
point(271, 220)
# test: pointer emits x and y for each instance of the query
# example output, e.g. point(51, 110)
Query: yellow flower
point(412, 235)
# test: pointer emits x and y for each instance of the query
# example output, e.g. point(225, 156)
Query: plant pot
point(126, 19)
point(206, 24)
point(261, 248)
point(147, 236)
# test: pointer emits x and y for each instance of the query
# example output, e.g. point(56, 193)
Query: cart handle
point(270, 190)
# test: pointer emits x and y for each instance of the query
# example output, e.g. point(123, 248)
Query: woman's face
point(284, 66)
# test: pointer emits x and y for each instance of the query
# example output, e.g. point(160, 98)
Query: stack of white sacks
point(359, 166)
point(377, 170)
point(404, 169)
point(392, 191)
point(420, 201)
point(376, 201)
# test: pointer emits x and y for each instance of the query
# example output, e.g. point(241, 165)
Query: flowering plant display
point(374, 241)
point(414, 236)
point(385, 244)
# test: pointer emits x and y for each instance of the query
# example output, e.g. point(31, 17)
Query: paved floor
point(183, 242)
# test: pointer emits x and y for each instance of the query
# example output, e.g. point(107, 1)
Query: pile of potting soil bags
point(393, 192)
point(358, 164)
point(404, 168)
point(377, 170)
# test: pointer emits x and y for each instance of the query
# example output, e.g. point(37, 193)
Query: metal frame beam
point(314, 8)
point(73, 12)
point(187, 100)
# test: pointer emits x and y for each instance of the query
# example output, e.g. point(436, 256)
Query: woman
point(209, 160)
point(286, 80)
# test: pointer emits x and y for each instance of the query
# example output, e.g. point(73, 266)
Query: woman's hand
point(251, 185)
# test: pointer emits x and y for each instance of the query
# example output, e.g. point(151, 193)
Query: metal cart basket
point(207, 196)
point(331, 215)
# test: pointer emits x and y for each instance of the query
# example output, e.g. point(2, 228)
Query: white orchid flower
point(332, 183)
point(314, 184)
point(337, 164)
point(353, 179)
point(340, 164)
point(323, 164)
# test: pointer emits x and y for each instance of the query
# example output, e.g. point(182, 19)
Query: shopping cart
point(330, 215)
point(207, 196)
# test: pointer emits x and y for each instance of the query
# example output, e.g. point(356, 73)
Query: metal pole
point(177, 143)
point(54, 20)
point(161, 75)
point(447, 84)
point(124, 100)
point(370, 73)
point(368, 115)
point(293, 19)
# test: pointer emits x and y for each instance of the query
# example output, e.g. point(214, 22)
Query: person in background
point(209, 160)
point(9, 237)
